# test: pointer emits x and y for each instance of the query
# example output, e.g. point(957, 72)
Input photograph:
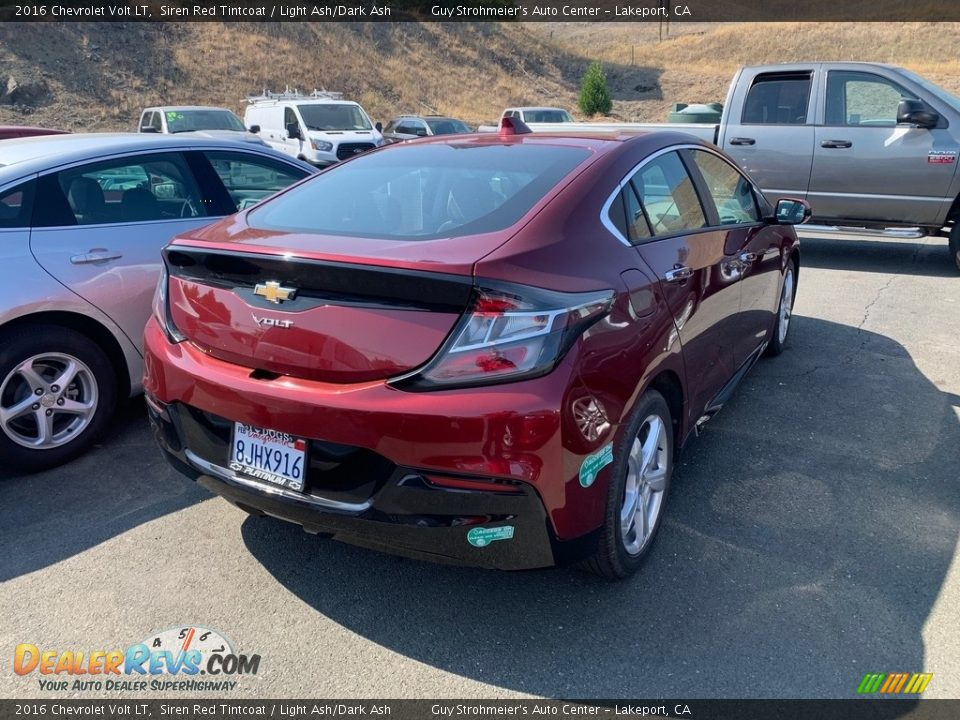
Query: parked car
point(410, 127)
point(19, 131)
point(212, 122)
point(501, 374)
point(320, 128)
point(82, 221)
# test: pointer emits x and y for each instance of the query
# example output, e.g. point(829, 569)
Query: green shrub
point(594, 96)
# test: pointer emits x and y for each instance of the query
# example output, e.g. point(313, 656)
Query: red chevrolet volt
point(483, 349)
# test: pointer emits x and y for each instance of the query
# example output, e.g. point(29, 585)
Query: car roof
point(184, 108)
point(273, 102)
point(426, 117)
point(28, 155)
point(537, 107)
point(790, 66)
point(30, 128)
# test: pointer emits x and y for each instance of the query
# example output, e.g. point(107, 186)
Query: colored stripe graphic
point(870, 683)
point(894, 683)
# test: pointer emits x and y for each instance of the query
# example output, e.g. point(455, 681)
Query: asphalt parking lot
point(811, 537)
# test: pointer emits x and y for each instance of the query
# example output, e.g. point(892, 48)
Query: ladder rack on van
point(294, 94)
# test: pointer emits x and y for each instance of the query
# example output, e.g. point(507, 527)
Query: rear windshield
point(415, 192)
point(333, 116)
point(447, 126)
point(547, 115)
point(192, 120)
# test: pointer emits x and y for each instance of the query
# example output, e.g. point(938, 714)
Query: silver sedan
point(82, 222)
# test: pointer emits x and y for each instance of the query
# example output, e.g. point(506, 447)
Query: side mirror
point(293, 131)
point(421, 132)
point(379, 126)
point(791, 211)
point(254, 129)
point(918, 113)
point(148, 129)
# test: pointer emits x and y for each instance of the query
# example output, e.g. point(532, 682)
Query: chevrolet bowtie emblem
point(274, 292)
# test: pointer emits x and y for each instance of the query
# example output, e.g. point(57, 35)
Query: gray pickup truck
point(873, 148)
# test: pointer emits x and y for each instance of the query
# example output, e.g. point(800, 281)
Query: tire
point(955, 245)
point(33, 359)
point(619, 553)
point(782, 320)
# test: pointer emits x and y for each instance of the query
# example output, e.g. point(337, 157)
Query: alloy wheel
point(647, 470)
point(786, 305)
point(47, 400)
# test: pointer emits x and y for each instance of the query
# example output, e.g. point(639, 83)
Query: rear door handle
point(678, 274)
point(836, 144)
point(742, 141)
point(97, 255)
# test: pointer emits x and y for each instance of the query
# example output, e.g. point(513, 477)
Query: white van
point(320, 128)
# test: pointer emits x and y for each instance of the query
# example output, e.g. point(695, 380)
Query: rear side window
point(637, 224)
point(730, 191)
point(427, 191)
point(617, 215)
point(668, 196)
point(16, 205)
point(778, 100)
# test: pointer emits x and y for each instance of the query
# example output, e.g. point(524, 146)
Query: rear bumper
point(405, 515)
point(384, 465)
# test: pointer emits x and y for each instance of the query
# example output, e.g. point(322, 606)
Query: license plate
point(268, 455)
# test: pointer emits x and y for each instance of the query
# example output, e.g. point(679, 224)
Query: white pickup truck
point(539, 115)
point(873, 148)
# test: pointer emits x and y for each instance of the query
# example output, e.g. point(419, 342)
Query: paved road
point(811, 537)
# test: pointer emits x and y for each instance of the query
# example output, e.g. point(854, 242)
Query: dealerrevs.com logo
point(186, 658)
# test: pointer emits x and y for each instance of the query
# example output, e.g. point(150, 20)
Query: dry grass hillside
point(98, 75)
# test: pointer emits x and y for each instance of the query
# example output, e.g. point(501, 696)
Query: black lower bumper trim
point(406, 515)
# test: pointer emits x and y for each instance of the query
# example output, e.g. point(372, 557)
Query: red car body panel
point(18, 131)
point(330, 343)
point(332, 372)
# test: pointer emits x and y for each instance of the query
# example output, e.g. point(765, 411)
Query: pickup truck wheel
point(57, 393)
point(955, 245)
point(782, 320)
point(637, 491)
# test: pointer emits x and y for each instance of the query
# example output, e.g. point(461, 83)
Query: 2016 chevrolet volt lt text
point(483, 349)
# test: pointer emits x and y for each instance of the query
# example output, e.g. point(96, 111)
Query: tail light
point(510, 332)
point(161, 307)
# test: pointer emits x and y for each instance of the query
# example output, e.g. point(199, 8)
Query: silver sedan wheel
point(786, 305)
point(47, 401)
point(647, 469)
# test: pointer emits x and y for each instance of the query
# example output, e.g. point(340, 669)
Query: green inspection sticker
point(593, 464)
point(481, 537)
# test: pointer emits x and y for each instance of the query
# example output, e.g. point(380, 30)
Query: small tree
point(594, 96)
